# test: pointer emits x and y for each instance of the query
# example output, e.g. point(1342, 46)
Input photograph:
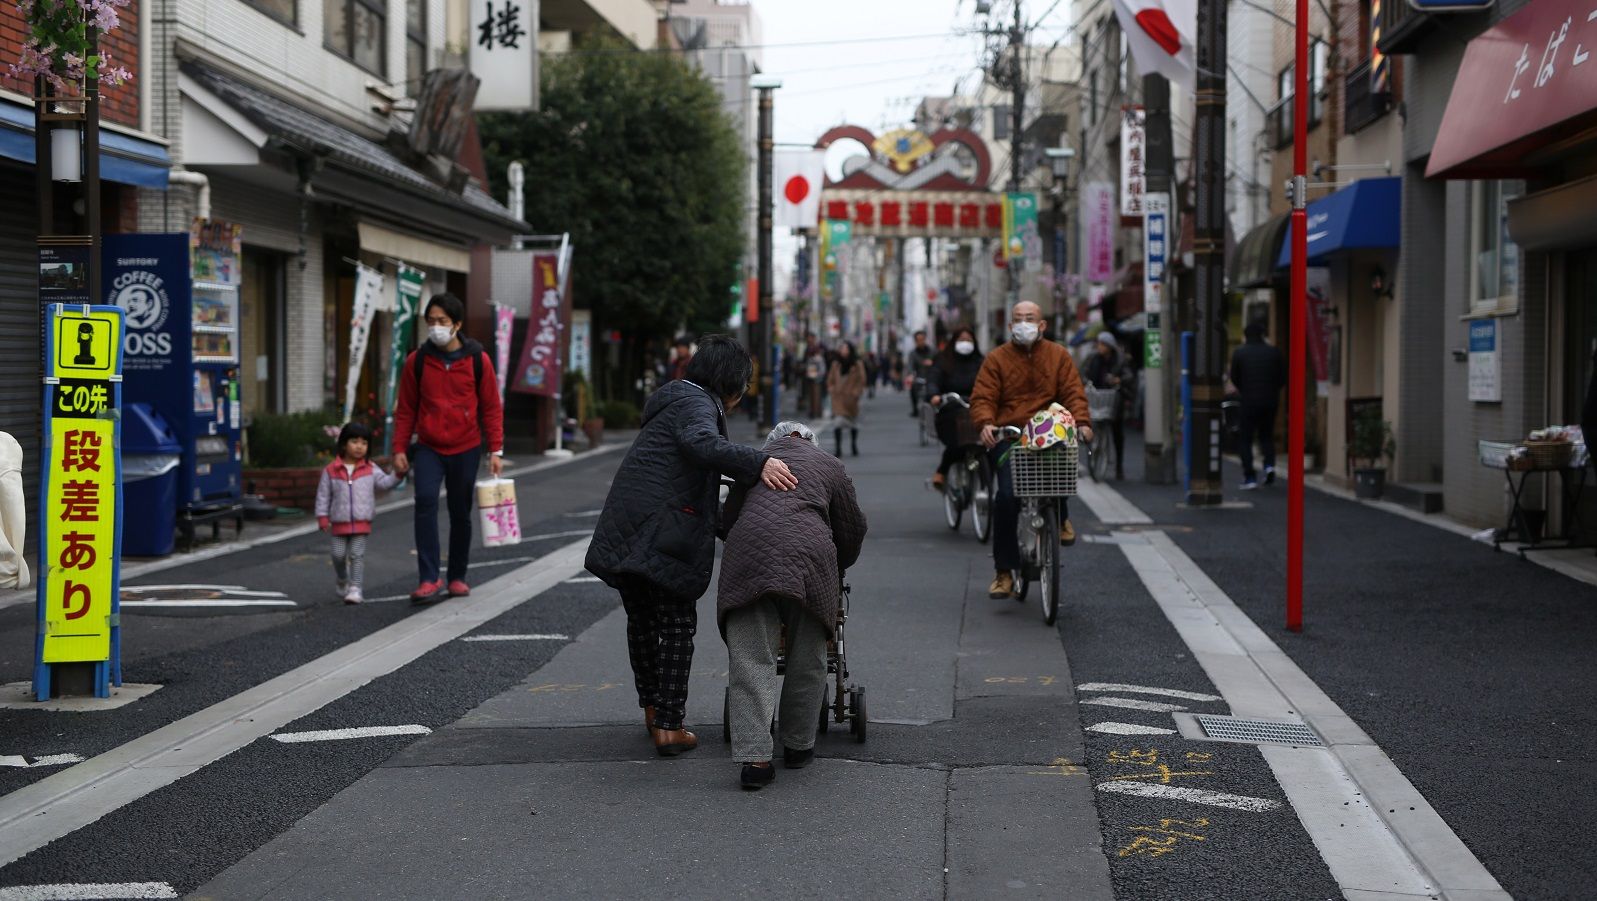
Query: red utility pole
point(1299, 324)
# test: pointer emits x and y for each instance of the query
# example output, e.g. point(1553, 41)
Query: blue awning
point(1365, 215)
point(124, 159)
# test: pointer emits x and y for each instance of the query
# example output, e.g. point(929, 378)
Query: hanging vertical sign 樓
point(539, 371)
point(504, 54)
point(80, 492)
point(407, 303)
point(1133, 172)
point(368, 285)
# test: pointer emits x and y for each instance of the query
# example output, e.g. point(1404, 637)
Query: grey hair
point(789, 427)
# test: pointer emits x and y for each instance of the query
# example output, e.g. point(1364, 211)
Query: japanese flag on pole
point(796, 176)
point(1162, 35)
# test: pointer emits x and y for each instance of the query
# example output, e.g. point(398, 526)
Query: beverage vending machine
point(179, 294)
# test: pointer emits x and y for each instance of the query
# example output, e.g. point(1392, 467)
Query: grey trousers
point(752, 636)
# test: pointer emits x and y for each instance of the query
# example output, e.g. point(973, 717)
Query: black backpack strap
point(476, 368)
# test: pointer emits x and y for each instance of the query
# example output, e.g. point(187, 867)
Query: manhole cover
point(1261, 732)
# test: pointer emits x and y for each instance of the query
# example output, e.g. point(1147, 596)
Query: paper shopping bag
point(496, 512)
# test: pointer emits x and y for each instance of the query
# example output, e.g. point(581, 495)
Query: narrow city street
point(490, 747)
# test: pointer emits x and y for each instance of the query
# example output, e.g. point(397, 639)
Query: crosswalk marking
point(1146, 690)
point(1194, 795)
point(1128, 729)
point(534, 637)
point(344, 734)
point(1134, 704)
point(87, 891)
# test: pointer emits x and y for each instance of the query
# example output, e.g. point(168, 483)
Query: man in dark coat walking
point(655, 539)
point(785, 555)
point(1258, 374)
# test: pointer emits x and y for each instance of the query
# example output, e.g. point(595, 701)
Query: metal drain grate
point(1260, 732)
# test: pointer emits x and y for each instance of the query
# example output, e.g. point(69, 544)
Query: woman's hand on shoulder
point(777, 476)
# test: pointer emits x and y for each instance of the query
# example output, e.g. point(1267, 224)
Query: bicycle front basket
point(1101, 403)
point(1044, 473)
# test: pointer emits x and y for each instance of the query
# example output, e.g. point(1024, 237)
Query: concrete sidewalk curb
point(28, 596)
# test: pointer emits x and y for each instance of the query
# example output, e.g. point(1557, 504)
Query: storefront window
point(285, 11)
point(1494, 259)
point(357, 30)
point(415, 44)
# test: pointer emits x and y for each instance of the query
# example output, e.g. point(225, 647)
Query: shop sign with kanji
point(1133, 160)
point(504, 54)
point(80, 483)
point(934, 214)
point(540, 369)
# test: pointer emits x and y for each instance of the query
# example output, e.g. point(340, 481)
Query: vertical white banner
point(368, 290)
point(1133, 160)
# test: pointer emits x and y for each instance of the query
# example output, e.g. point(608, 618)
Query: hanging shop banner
point(1155, 246)
point(1099, 202)
point(1485, 363)
point(407, 301)
point(504, 54)
point(80, 484)
point(504, 325)
point(1133, 147)
point(1319, 333)
point(539, 372)
point(836, 235)
point(1020, 226)
point(368, 285)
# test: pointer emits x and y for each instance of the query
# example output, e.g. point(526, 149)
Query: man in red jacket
point(448, 402)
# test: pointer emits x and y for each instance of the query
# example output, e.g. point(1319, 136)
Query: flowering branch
point(57, 46)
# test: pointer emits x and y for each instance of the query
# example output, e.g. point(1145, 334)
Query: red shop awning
point(1526, 93)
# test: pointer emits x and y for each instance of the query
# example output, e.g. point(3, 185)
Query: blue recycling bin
point(151, 454)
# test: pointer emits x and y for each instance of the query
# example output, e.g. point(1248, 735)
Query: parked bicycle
point(1040, 478)
point(1100, 451)
point(970, 479)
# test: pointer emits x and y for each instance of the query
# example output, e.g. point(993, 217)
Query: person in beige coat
point(845, 382)
point(13, 516)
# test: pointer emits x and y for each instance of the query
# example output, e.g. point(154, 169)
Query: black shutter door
point(19, 330)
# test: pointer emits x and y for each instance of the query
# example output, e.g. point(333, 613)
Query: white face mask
point(440, 335)
point(964, 347)
point(1025, 332)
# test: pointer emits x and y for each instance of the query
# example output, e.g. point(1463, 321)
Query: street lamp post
point(1059, 165)
point(763, 332)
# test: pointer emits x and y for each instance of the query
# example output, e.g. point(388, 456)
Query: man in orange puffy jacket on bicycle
point(1018, 379)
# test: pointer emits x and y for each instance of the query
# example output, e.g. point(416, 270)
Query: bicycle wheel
point(981, 501)
point(1098, 457)
point(954, 495)
point(1048, 582)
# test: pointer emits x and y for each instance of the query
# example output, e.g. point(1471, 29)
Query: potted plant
point(592, 423)
point(1374, 446)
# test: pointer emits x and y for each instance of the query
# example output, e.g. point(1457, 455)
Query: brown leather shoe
point(671, 742)
point(1067, 534)
point(938, 481)
point(1003, 586)
point(648, 720)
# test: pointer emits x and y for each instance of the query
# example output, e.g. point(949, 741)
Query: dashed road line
point(1128, 729)
point(579, 580)
point(176, 603)
point(549, 637)
point(20, 762)
point(290, 738)
point(88, 891)
point(1134, 704)
point(183, 587)
point(1146, 690)
point(1194, 795)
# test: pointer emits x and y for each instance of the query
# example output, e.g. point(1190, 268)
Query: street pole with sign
point(764, 351)
point(1299, 322)
point(1209, 345)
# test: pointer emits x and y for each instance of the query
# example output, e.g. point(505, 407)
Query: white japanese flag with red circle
point(1162, 35)
point(796, 177)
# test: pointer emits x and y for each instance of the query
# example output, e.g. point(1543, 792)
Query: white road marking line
point(1134, 704)
point(1195, 795)
point(1109, 505)
point(13, 760)
point(389, 599)
point(20, 762)
point(87, 891)
point(582, 579)
point(1128, 729)
point(289, 738)
point(208, 602)
point(142, 588)
point(1146, 690)
point(582, 513)
point(549, 637)
point(62, 803)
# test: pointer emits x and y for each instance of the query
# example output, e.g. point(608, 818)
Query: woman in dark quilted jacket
point(655, 540)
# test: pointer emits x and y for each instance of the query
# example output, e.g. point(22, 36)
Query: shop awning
point(1521, 97)
point(1362, 216)
point(123, 159)
point(1253, 264)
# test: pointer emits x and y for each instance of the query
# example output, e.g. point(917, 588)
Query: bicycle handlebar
point(953, 398)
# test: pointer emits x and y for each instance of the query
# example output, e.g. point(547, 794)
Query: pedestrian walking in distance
point(845, 382)
point(785, 555)
point(655, 539)
point(346, 504)
point(920, 363)
point(448, 400)
point(1108, 368)
point(1258, 374)
point(954, 373)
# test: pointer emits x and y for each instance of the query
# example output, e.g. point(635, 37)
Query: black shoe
point(1269, 475)
point(797, 760)
point(757, 777)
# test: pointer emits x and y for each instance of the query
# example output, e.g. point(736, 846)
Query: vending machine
point(181, 353)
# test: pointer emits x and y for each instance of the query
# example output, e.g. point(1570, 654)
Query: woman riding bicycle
point(954, 372)
point(1108, 368)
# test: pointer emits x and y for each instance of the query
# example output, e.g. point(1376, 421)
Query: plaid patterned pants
point(660, 629)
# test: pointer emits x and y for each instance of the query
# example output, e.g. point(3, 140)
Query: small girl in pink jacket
point(346, 502)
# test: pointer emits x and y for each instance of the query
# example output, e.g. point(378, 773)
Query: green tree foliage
point(633, 154)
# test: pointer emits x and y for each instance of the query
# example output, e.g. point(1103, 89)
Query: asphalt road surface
point(491, 747)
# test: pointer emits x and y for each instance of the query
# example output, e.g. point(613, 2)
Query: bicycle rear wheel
point(1098, 459)
point(981, 501)
point(1048, 581)
point(954, 496)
